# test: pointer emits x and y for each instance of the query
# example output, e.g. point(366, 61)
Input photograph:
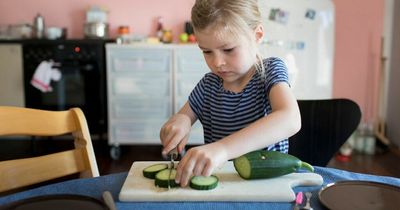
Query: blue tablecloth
point(94, 187)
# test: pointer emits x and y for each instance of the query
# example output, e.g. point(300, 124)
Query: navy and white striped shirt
point(223, 112)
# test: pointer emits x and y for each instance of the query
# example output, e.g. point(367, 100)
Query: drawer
point(149, 87)
point(185, 86)
point(141, 108)
point(146, 131)
point(191, 60)
point(140, 61)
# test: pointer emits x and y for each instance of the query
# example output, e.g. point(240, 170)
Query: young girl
point(244, 103)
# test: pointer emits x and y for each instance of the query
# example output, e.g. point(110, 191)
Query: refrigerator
point(301, 33)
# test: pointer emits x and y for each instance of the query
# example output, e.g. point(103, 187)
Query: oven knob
point(49, 53)
point(88, 67)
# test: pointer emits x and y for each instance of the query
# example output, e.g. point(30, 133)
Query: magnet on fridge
point(300, 45)
point(278, 15)
point(273, 13)
point(310, 14)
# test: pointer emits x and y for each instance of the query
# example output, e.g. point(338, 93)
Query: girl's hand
point(200, 161)
point(175, 133)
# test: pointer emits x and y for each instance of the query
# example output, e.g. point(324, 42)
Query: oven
point(82, 83)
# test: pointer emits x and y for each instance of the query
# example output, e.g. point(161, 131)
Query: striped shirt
point(223, 112)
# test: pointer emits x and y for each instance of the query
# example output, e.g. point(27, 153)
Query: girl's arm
point(283, 122)
point(175, 132)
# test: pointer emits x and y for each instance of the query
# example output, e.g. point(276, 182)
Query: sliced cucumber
point(204, 182)
point(161, 179)
point(151, 171)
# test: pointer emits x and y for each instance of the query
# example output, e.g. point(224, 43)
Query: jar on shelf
point(123, 35)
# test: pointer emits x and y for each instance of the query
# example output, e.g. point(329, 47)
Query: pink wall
point(139, 15)
point(359, 25)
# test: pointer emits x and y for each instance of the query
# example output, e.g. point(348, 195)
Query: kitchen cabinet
point(11, 75)
point(147, 84)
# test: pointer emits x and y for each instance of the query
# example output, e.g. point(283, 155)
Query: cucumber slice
point(204, 182)
point(243, 167)
point(161, 179)
point(151, 171)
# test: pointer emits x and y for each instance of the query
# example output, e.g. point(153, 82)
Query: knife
point(173, 154)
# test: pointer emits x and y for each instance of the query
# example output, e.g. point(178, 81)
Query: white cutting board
point(231, 187)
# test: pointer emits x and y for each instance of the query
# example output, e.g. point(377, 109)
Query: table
point(94, 187)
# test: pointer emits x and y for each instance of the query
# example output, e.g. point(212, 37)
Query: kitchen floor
point(385, 162)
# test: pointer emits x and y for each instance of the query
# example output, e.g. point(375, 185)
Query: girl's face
point(232, 58)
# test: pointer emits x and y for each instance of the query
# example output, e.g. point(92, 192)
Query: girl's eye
point(206, 51)
point(229, 49)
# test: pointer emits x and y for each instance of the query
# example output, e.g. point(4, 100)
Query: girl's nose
point(219, 61)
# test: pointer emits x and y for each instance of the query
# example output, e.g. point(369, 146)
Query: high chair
point(15, 121)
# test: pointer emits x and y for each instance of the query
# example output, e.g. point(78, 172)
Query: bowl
point(56, 33)
point(96, 30)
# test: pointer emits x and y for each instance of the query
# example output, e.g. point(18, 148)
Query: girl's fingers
point(198, 168)
point(181, 165)
point(168, 134)
point(182, 144)
point(184, 169)
point(172, 141)
point(186, 173)
point(207, 169)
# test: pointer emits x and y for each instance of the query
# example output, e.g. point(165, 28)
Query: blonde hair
point(238, 17)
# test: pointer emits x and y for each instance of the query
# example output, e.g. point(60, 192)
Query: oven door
point(79, 86)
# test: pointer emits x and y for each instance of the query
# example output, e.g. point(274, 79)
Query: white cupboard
point(146, 84)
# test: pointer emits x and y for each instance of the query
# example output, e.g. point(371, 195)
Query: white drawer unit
point(146, 85)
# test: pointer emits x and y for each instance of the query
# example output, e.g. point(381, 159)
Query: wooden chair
point(19, 173)
point(326, 125)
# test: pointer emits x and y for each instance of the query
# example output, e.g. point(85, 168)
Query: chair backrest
point(19, 173)
point(326, 125)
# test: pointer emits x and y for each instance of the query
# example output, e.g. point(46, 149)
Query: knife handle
point(173, 154)
point(299, 198)
point(169, 156)
point(177, 155)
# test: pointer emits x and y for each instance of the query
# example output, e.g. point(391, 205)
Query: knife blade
point(173, 154)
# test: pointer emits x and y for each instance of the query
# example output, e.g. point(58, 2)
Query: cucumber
point(262, 164)
point(161, 179)
point(151, 171)
point(204, 182)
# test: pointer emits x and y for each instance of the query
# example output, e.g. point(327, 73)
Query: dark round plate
point(59, 202)
point(363, 195)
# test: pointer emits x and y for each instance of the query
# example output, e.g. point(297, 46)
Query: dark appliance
point(83, 80)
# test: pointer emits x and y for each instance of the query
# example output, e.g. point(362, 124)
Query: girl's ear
point(259, 33)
